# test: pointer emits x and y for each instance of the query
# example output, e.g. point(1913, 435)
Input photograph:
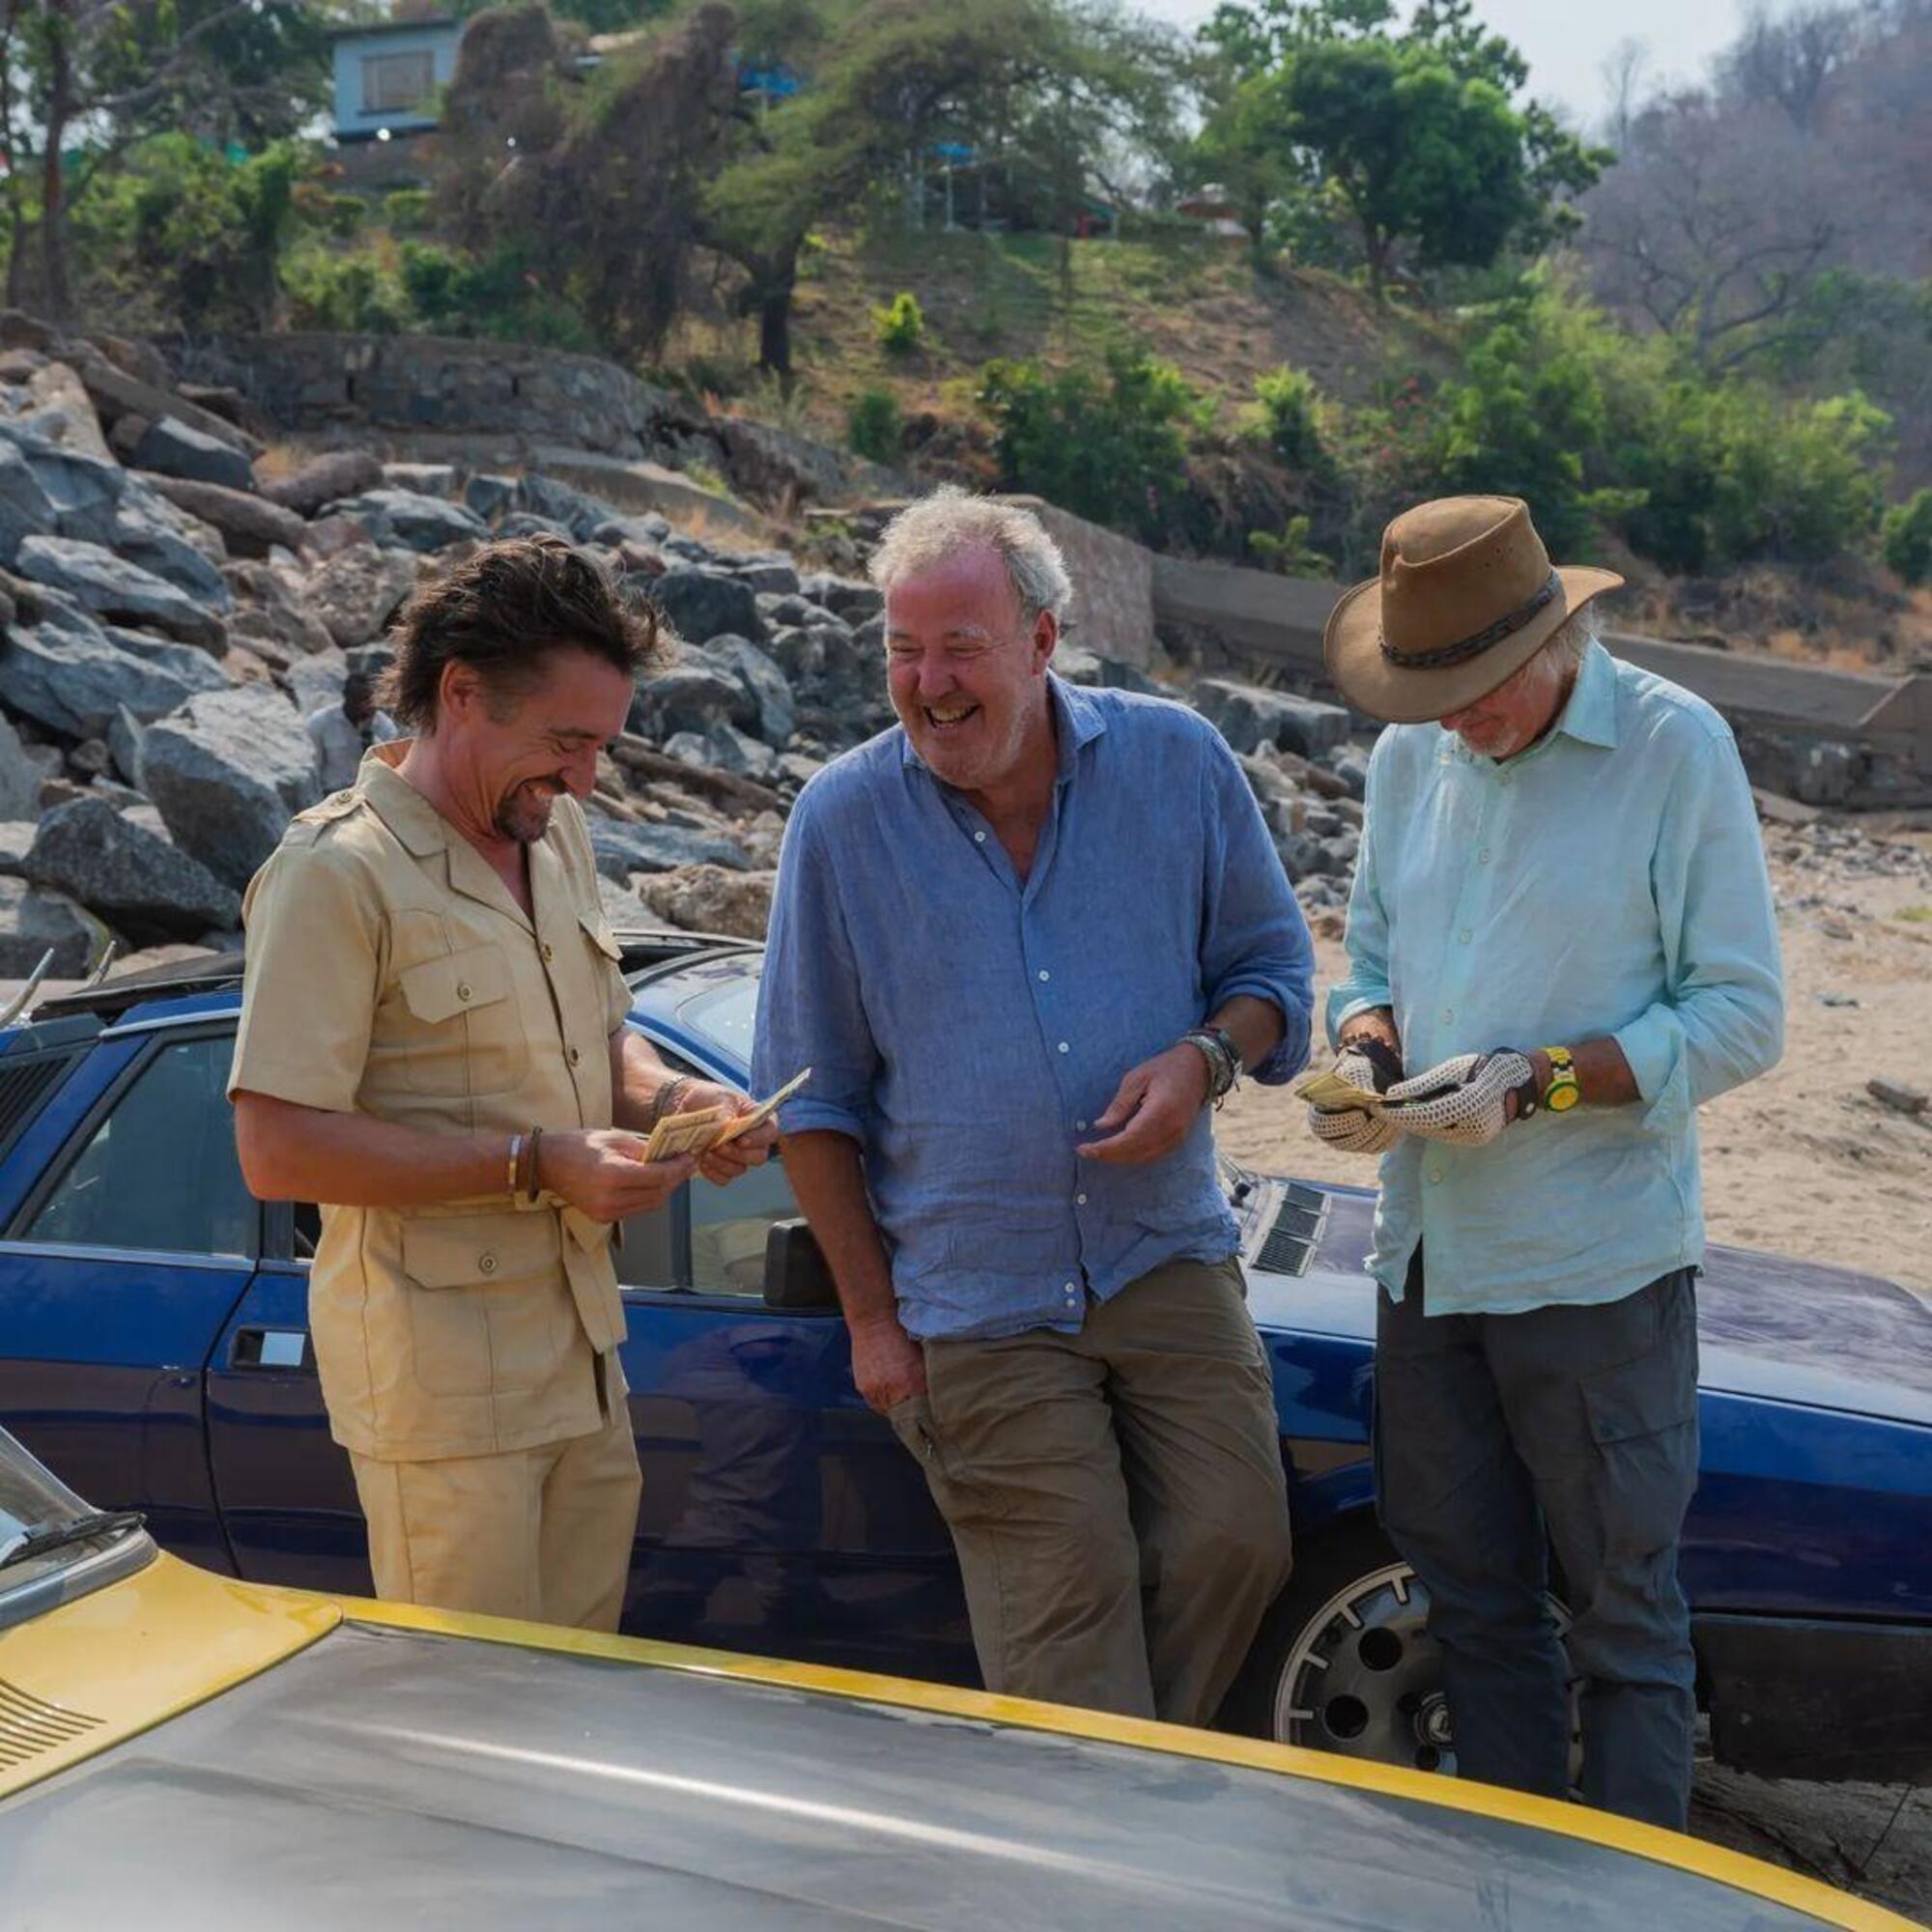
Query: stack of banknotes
point(703, 1129)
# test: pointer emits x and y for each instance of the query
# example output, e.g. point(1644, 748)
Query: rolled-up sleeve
point(1720, 1021)
point(1254, 939)
point(810, 1009)
point(309, 985)
point(1366, 937)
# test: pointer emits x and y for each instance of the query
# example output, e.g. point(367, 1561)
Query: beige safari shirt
point(390, 972)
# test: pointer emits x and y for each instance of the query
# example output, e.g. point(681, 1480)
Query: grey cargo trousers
point(1578, 1425)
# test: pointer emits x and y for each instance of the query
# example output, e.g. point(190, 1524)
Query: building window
point(394, 83)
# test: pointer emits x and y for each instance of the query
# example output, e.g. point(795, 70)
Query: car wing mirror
point(796, 1275)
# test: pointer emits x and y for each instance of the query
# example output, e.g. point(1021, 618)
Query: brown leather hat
point(1467, 597)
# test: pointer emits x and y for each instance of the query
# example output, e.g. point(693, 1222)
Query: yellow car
point(181, 1749)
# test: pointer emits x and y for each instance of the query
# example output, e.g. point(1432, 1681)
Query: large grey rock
point(705, 899)
point(490, 495)
point(578, 514)
point(60, 669)
point(425, 479)
point(227, 771)
point(623, 847)
point(143, 886)
point(771, 712)
point(357, 591)
point(726, 748)
point(110, 586)
point(688, 697)
point(317, 681)
point(770, 574)
point(83, 490)
point(16, 840)
point(20, 776)
point(33, 919)
point(166, 541)
point(267, 606)
point(174, 449)
point(25, 508)
point(645, 532)
point(705, 604)
point(1247, 715)
point(250, 525)
point(325, 480)
point(416, 523)
point(64, 412)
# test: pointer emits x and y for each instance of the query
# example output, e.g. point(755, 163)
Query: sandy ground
point(1806, 1162)
point(1803, 1160)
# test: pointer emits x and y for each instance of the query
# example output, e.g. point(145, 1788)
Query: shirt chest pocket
point(466, 1030)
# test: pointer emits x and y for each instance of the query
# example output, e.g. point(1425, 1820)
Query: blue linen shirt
point(1609, 880)
point(967, 1029)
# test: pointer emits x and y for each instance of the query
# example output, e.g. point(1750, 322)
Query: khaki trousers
point(543, 1534)
point(1116, 1497)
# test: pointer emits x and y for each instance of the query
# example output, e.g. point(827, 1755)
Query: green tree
point(1417, 134)
point(1905, 537)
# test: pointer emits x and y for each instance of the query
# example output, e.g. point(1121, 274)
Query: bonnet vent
point(30, 1725)
point(1290, 1242)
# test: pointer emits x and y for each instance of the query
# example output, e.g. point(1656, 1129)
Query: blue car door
point(123, 1254)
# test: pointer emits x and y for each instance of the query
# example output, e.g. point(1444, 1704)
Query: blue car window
point(159, 1173)
point(727, 1228)
point(723, 1016)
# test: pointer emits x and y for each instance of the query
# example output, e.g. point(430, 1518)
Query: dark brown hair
point(503, 611)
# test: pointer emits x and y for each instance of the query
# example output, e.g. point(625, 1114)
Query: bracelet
point(532, 1189)
point(512, 1176)
point(1224, 1064)
point(662, 1102)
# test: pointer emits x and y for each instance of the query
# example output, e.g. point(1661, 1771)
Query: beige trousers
point(543, 1534)
point(1116, 1497)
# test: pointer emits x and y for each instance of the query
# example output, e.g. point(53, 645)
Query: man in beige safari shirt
point(433, 1047)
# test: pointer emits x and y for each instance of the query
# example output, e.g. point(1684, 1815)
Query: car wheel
point(1345, 1662)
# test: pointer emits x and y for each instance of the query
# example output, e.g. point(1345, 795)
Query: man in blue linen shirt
point(1021, 940)
point(1561, 913)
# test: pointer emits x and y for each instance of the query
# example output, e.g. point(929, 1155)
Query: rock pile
point(173, 611)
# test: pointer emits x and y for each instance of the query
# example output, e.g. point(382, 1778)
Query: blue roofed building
point(387, 77)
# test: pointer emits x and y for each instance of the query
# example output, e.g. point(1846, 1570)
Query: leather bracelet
point(671, 1091)
point(531, 1188)
point(514, 1173)
point(1223, 1065)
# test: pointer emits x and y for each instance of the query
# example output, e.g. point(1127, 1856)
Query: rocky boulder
point(25, 508)
point(325, 480)
point(704, 603)
point(145, 887)
point(110, 586)
point(703, 898)
point(426, 479)
point(576, 514)
point(160, 537)
point(488, 496)
point(174, 449)
point(33, 921)
point(60, 669)
point(272, 612)
point(772, 465)
point(249, 524)
point(357, 591)
point(623, 847)
point(227, 771)
point(20, 776)
point(725, 748)
point(690, 695)
point(1248, 716)
point(768, 711)
point(417, 522)
point(83, 492)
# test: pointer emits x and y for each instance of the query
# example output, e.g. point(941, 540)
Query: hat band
point(1467, 648)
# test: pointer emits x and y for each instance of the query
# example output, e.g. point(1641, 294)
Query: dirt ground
point(1806, 1162)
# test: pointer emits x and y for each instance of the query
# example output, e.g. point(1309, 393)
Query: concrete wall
point(1113, 585)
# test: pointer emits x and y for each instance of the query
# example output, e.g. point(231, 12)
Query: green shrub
point(872, 425)
point(350, 293)
point(1104, 443)
point(1291, 418)
point(1291, 553)
point(1905, 537)
point(406, 209)
point(901, 325)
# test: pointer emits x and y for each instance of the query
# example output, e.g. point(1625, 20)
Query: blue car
point(153, 1352)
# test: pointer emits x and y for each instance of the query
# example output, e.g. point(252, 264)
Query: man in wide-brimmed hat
point(1561, 941)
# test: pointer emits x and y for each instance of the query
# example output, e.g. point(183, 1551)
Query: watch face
point(1561, 1099)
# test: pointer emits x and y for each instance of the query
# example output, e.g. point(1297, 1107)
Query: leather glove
point(1461, 1099)
point(1375, 1067)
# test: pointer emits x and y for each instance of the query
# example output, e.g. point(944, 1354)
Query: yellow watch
point(1563, 1093)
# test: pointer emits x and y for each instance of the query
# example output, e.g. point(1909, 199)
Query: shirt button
point(1080, 1126)
point(1448, 1014)
point(574, 1056)
point(1080, 1201)
point(486, 1264)
point(1483, 857)
point(1436, 1174)
point(549, 952)
point(1044, 973)
point(462, 989)
point(1064, 1048)
point(1463, 937)
point(979, 837)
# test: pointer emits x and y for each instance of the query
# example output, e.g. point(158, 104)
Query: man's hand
point(725, 1164)
point(1464, 1100)
point(1368, 1063)
point(886, 1363)
point(1153, 1108)
point(603, 1172)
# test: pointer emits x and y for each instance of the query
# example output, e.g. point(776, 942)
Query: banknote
point(1330, 1091)
point(684, 1133)
point(746, 1123)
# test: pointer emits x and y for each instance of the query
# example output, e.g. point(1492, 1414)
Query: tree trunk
point(53, 207)
point(1376, 245)
point(775, 329)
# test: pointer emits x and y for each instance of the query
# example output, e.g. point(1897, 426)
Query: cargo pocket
point(1642, 1418)
point(911, 1421)
point(469, 1033)
point(490, 1310)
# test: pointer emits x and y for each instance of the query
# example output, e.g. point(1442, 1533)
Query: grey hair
point(951, 520)
point(1568, 644)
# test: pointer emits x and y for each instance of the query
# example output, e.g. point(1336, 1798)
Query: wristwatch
point(1560, 1096)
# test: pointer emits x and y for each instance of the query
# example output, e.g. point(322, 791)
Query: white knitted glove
point(1461, 1099)
point(1354, 1129)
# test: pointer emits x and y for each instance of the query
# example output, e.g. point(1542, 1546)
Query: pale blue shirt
point(967, 1027)
point(1609, 880)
